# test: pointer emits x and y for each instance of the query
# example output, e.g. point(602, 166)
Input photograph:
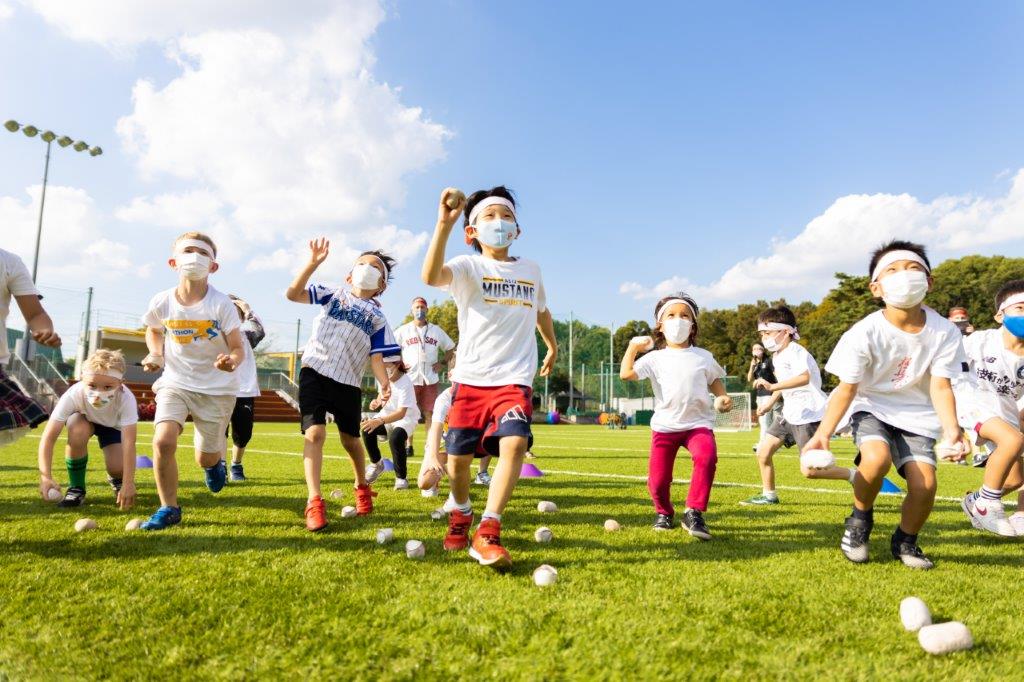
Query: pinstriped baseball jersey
point(345, 334)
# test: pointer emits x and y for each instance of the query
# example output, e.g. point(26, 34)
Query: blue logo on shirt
point(363, 319)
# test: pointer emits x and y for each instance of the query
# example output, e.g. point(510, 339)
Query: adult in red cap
point(425, 348)
point(958, 316)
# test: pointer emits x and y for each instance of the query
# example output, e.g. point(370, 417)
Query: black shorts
point(319, 395)
point(106, 435)
point(242, 418)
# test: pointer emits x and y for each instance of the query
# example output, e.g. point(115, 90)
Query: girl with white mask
point(687, 383)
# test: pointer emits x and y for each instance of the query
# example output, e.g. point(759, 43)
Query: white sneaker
point(373, 471)
point(429, 492)
point(482, 478)
point(401, 484)
point(1017, 521)
point(988, 515)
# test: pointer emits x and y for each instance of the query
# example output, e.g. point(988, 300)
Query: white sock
point(491, 515)
point(451, 505)
point(770, 494)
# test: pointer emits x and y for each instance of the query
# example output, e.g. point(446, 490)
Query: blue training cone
point(889, 487)
point(529, 470)
point(143, 462)
point(388, 465)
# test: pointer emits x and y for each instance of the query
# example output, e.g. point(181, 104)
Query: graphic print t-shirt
point(194, 336)
point(997, 375)
point(498, 303)
point(421, 349)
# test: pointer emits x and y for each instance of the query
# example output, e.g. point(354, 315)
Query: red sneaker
point(364, 500)
point(486, 547)
point(316, 514)
point(458, 530)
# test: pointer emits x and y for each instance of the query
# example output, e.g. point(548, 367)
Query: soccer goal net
point(738, 418)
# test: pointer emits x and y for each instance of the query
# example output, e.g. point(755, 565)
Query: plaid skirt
point(17, 410)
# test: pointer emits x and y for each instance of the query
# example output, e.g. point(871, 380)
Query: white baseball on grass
point(914, 614)
point(547, 506)
point(53, 494)
point(455, 198)
point(337, 494)
point(82, 525)
point(945, 638)
point(722, 403)
point(817, 459)
point(348, 512)
point(385, 535)
point(437, 514)
point(545, 575)
point(134, 524)
point(611, 525)
point(415, 549)
point(543, 534)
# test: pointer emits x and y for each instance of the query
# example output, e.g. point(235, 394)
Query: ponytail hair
point(656, 333)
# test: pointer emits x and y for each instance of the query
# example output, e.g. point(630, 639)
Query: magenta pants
point(704, 452)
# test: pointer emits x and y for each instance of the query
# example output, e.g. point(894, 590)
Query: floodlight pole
point(611, 364)
point(42, 204)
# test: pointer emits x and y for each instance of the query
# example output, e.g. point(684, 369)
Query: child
point(244, 412)
point(397, 420)
point(681, 375)
point(349, 328)
point(894, 369)
point(987, 403)
point(761, 368)
point(192, 332)
point(500, 300)
point(18, 412)
point(798, 384)
point(434, 460)
point(101, 405)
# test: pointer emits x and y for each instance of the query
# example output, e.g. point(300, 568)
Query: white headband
point(673, 301)
point(112, 373)
point(1012, 300)
point(490, 201)
point(893, 256)
point(778, 327)
point(181, 245)
point(387, 271)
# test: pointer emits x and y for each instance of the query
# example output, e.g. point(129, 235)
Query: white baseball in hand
point(454, 199)
point(723, 403)
point(53, 494)
point(642, 342)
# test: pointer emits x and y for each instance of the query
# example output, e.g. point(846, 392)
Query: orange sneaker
point(486, 547)
point(316, 514)
point(458, 530)
point(364, 500)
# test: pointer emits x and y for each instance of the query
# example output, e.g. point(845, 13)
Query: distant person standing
point(425, 348)
point(761, 368)
point(958, 315)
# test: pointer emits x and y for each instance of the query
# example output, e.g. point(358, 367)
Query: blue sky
point(739, 150)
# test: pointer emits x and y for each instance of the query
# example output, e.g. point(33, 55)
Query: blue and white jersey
point(346, 333)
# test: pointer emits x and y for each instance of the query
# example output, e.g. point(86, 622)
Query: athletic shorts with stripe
point(482, 415)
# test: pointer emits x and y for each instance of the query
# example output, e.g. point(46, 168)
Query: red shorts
point(425, 397)
point(482, 415)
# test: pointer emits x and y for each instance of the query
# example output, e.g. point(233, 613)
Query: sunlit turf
point(241, 590)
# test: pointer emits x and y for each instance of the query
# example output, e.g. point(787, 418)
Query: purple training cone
point(388, 465)
point(143, 462)
point(529, 470)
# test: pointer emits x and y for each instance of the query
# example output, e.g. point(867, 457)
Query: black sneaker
point(115, 484)
point(74, 497)
point(409, 452)
point(855, 540)
point(664, 522)
point(693, 521)
point(910, 554)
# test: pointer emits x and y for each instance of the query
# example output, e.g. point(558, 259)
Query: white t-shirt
point(122, 410)
point(996, 380)
point(498, 303)
point(402, 395)
point(194, 336)
point(15, 280)
point(804, 404)
point(680, 378)
point(442, 405)
point(421, 348)
point(346, 332)
point(893, 368)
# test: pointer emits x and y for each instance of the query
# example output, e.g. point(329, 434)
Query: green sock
point(76, 471)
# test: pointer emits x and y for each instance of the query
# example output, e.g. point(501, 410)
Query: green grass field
point(240, 589)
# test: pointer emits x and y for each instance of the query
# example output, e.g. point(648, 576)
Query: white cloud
point(195, 210)
point(838, 240)
point(6, 10)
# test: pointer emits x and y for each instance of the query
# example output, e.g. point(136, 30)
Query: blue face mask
point(419, 314)
point(496, 233)
point(1014, 325)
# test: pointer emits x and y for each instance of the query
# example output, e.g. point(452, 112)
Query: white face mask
point(100, 398)
point(193, 265)
point(496, 233)
point(676, 330)
point(365, 277)
point(771, 343)
point(904, 289)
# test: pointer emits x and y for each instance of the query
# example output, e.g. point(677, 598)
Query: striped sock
point(989, 494)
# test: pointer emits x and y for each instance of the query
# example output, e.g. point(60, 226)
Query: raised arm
point(435, 272)
point(636, 344)
point(318, 252)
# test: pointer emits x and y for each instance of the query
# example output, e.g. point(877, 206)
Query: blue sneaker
point(162, 518)
point(216, 477)
point(237, 472)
